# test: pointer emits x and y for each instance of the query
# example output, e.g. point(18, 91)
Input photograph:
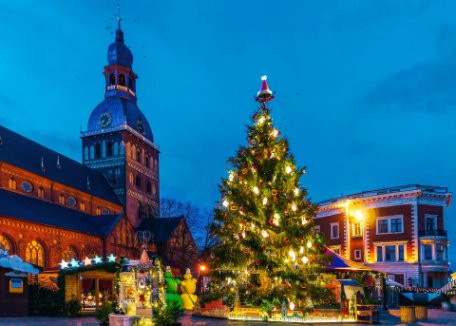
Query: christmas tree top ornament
point(264, 95)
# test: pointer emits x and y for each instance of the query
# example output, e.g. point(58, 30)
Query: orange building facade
point(398, 230)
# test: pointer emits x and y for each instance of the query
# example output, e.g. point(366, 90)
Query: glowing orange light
point(203, 268)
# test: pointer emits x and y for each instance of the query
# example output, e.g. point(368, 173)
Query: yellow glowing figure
point(188, 288)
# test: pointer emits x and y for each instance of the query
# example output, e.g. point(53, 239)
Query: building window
point(72, 201)
point(97, 150)
point(109, 149)
point(440, 252)
point(61, 199)
point(5, 243)
point(86, 153)
point(138, 156)
point(34, 253)
point(147, 161)
point(115, 148)
point(69, 254)
point(98, 211)
point(40, 192)
point(334, 230)
point(12, 184)
point(105, 211)
point(391, 253)
point(356, 229)
point(148, 187)
point(131, 178)
point(357, 254)
point(117, 171)
point(427, 252)
point(387, 225)
point(112, 79)
point(92, 152)
point(82, 206)
point(138, 181)
point(399, 278)
point(122, 80)
point(430, 222)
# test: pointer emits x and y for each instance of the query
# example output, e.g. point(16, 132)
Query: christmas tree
point(269, 249)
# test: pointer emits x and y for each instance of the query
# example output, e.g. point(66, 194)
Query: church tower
point(119, 140)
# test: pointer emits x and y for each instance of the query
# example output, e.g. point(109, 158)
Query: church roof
point(34, 210)
point(162, 228)
point(118, 52)
point(26, 154)
point(124, 112)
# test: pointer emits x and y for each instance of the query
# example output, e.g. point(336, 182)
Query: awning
point(393, 283)
point(341, 264)
point(350, 282)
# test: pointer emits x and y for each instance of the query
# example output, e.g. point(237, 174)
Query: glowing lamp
point(203, 268)
point(359, 215)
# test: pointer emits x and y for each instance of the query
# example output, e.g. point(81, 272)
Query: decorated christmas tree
point(269, 249)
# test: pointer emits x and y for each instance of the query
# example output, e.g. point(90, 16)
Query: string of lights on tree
point(270, 249)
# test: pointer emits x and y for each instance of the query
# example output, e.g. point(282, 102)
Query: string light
point(261, 121)
point(293, 207)
point(256, 190)
point(265, 234)
point(304, 260)
point(276, 219)
point(296, 191)
point(301, 250)
point(304, 221)
point(288, 169)
point(292, 255)
point(274, 133)
point(309, 244)
point(265, 201)
point(231, 176)
point(225, 203)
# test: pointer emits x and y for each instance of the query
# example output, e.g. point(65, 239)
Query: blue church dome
point(115, 112)
point(118, 53)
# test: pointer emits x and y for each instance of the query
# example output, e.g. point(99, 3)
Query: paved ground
point(436, 317)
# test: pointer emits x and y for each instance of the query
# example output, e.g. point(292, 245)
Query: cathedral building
point(54, 208)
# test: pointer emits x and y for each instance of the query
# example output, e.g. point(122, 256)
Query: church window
point(109, 149)
point(98, 212)
point(117, 171)
point(122, 80)
point(147, 161)
point(72, 201)
point(112, 79)
point(69, 254)
point(133, 152)
point(105, 211)
point(12, 184)
point(103, 148)
point(138, 156)
point(26, 186)
point(138, 181)
point(148, 187)
point(154, 189)
point(122, 148)
point(6, 243)
point(115, 149)
point(97, 150)
point(114, 180)
point(131, 178)
point(82, 206)
point(34, 253)
point(62, 199)
point(92, 152)
point(40, 192)
point(86, 153)
point(130, 83)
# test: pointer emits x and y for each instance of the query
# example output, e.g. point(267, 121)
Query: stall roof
point(341, 264)
point(349, 282)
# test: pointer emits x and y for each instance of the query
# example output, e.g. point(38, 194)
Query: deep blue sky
point(365, 90)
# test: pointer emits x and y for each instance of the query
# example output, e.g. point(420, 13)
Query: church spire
point(119, 33)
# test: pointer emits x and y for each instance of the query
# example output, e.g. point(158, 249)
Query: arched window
point(41, 192)
point(130, 83)
point(70, 253)
point(86, 153)
point(112, 79)
point(82, 206)
point(122, 80)
point(12, 184)
point(6, 243)
point(147, 161)
point(131, 178)
point(122, 148)
point(138, 181)
point(154, 190)
point(133, 152)
point(148, 187)
point(98, 212)
point(138, 156)
point(115, 148)
point(61, 199)
point(109, 149)
point(92, 152)
point(34, 253)
point(97, 150)
point(103, 148)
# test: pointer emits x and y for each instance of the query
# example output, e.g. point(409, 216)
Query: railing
point(432, 233)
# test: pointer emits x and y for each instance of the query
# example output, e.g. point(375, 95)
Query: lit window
point(82, 206)
point(440, 251)
point(12, 184)
point(334, 230)
point(69, 254)
point(98, 212)
point(390, 253)
point(379, 253)
point(34, 253)
point(40, 192)
point(131, 178)
point(388, 225)
point(357, 229)
point(5, 243)
point(62, 199)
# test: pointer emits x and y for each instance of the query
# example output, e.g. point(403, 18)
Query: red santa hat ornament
point(264, 95)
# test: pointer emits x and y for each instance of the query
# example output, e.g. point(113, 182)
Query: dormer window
point(122, 80)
